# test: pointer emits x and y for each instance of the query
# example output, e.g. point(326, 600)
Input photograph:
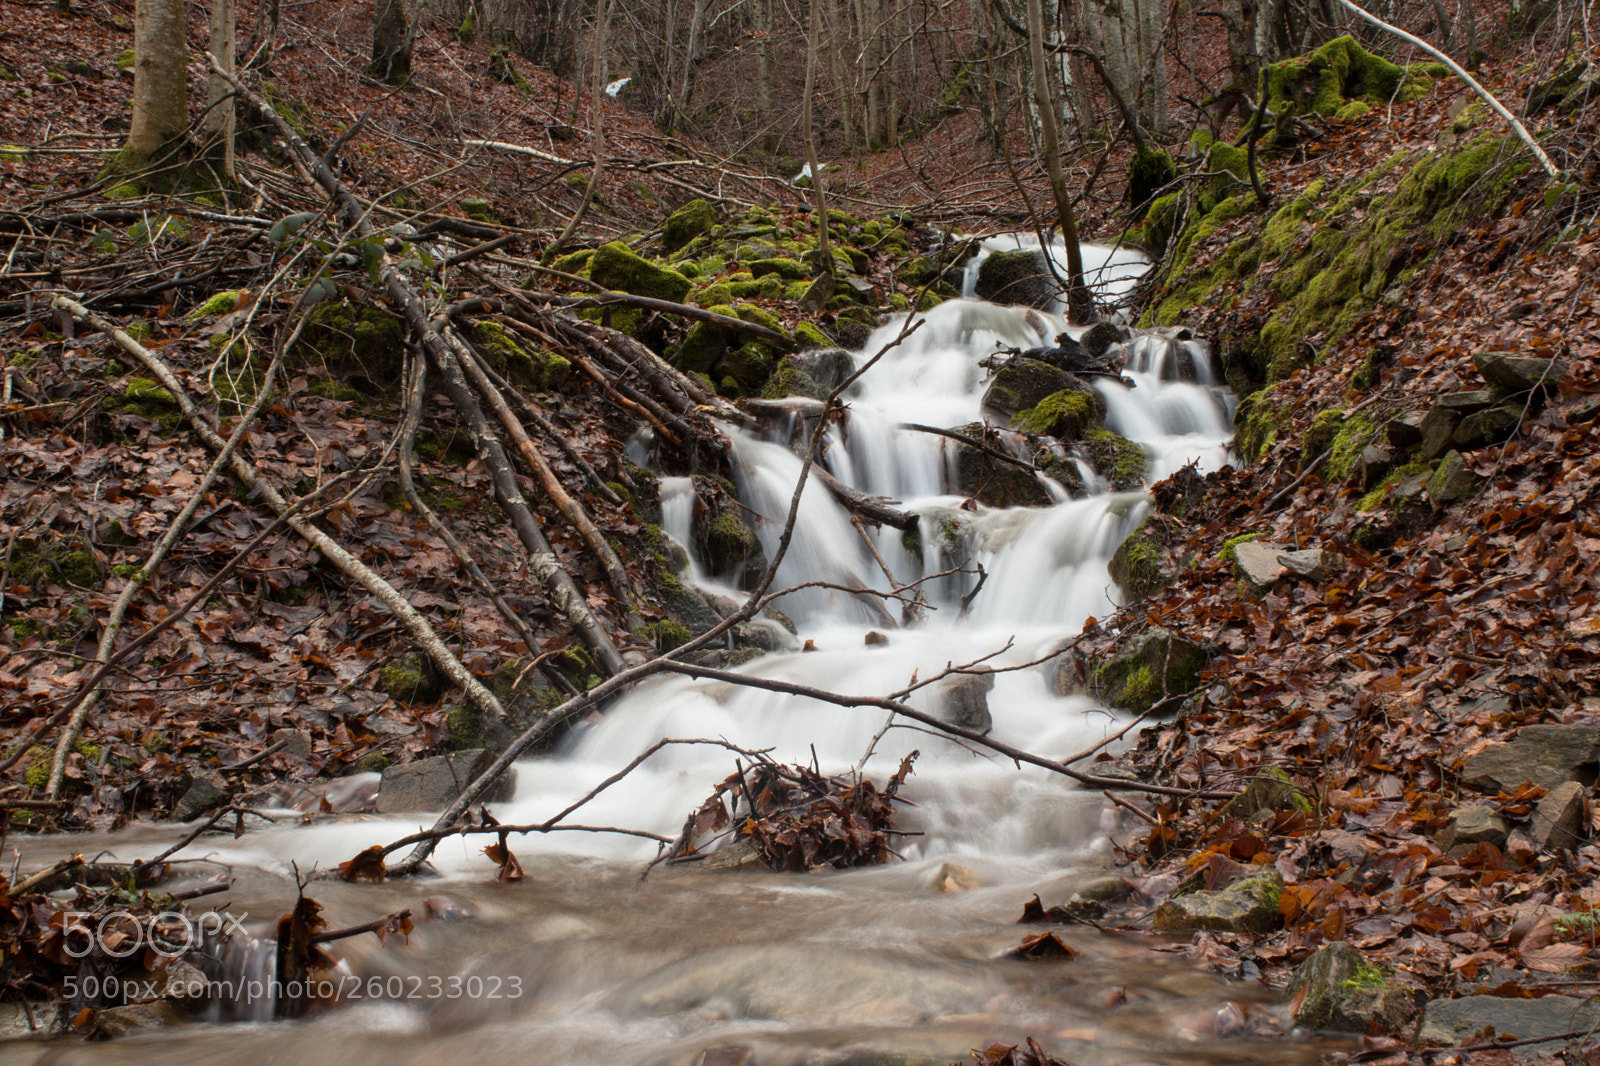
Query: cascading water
point(864, 966)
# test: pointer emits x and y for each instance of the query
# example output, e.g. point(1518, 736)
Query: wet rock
point(433, 784)
point(1473, 825)
point(1020, 277)
point(1101, 337)
point(1023, 384)
point(1249, 905)
point(1547, 755)
point(1138, 564)
point(1453, 480)
point(1156, 664)
point(964, 702)
point(874, 639)
point(986, 479)
point(1520, 373)
point(114, 1022)
point(1488, 426)
point(1107, 889)
point(738, 853)
point(1560, 817)
point(1452, 1021)
point(1255, 562)
point(1339, 989)
point(953, 877)
point(445, 909)
point(731, 547)
point(208, 792)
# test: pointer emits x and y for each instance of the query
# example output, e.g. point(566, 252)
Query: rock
point(1249, 905)
point(874, 639)
point(1338, 989)
point(1473, 825)
point(432, 784)
point(1410, 488)
point(1106, 889)
point(206, 793)
point(1560, 818)
point(687, 223)
point(1450, 1021)
point(1023, 384)
point(739, 852)
point(826, 366)
point(1373, 465)
point(1270, 790)
point(1137, 564)
point(818, 293)
point(114, 1022)
point(1520, 373)
point(1019, 277)
point(1438, 428)
point(1313, 564)
point(1101, 337)
point(1547, 755)
point(298, 742)
point(953, 877)
point(1065, 415)
point(964, 702)
point(731, 547)
point(1462, 404)
point(1405, 431)
point(1488, 427)
point(1453, 480)
point(411, 678)
point(992, 482)
point(616, 267)
point(1156, 664)
point(1255, 562)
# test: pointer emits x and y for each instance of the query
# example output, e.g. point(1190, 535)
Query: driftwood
point(867, 508)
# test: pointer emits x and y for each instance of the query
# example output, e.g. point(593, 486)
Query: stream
point(585, 962)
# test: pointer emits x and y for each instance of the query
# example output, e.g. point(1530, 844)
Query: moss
point(1368, 976)
point(687, 223)
point(164, 228)
point(792, 379)
point(1136, 566)
point(1355, 433)
point(410, 679)
point(1067, 415)
point(616, 267)
point(1352, 111)
point(539, 370)
point(666, 635)
point(1116, 459)
point(466, 726)
point(373, 762)
point(574, 262)
point(129, 571)
point(145, 398)
point(1320, 434)
point(789, 269)
point(354, 338)
point(334, 389)
point(221, 303)
point(1325, 80)
point(1149, 171)
point(1225, 556)
point(477, 209)
point(898, 302)
point(139, 330)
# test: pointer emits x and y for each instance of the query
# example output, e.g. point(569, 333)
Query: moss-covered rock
point(221, 303)
point(1023, 384)
point(1137, 566)
point(789, 269)
point(1149, 171)
point(539, 370)
point(1248, 905)
point(1115, 458)
point(992, 482)
point(1065, 415)
point(1019, 277)
point(1324, 81)
point(687, 223)
point(1156, 665)
point(1338, 989)
point(411, 678)
point(616, 267)
point(354, 339)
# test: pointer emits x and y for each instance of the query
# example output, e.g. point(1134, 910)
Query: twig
point(384, 922)
point(1125, 805)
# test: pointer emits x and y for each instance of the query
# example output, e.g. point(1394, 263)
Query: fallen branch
point(868, 508)
point(971, 441)
point(21, 887)
point(380, 925)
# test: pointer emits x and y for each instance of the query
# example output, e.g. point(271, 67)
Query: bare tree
point(219, 94)
point(160, 81)
point(391, 41)
point(1079, 307)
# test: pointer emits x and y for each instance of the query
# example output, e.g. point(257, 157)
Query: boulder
point(1256, 563)
point(1249, 905)
point(1023, 384)
point(1404, 432)
point(1473, 825)
point(1437, 429)
point(1065, 415)
point(616, 267)
point(1156, 664)
point(1462, 404)
point(1453, 480)
point(964, 702)
point(1313, 564)
point(1560, 817)
point(1520, 373)
point(1489, 426)
point(1451, 1021)
point(433, 784)
point(1101, 337)
point(1373, 465)
point(986, 479)
point(687, 223)
point(1020, 277)
point(1547, 755)
point(1336, 988)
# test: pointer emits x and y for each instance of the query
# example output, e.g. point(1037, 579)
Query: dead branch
point(868, 508)
point(972, 442)
point(381, 925)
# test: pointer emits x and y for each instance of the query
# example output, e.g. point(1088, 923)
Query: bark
point(219, 116)
point(1079, 306)
point(160, 82)
point(391, 41)
point(597, 124)
point(824, 252)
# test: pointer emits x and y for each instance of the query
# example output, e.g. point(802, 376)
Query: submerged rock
point(1452, 1021)
point(1336, 988)
point(433, 784)
point(1020, 277)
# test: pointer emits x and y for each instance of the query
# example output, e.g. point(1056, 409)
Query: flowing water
point(584, 962)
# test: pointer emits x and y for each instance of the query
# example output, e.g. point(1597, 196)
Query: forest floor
point(1451, 626)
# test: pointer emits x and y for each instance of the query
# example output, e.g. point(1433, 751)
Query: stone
point(953, 877)
point(116, 1022)
point(208, 791)
point(1451, 1021)
point(986, 479)
point(616, 267)
point(1270, 790)
point(1468, 402)
point(1155, 665)
point(1020, 277)
point(298, 742)
point(1373, 465)
point(1488, 426)
point(1248, 905)
point(433, 784)
point(1338, 989)
point(1023, 384)
point(1560, 817)
point(1255, 562)
point(1473, 825)
point(818, 293)
point(1438, 428)
point(1313, 564)
point(738, 853)
point(687, 223)
point(1101, 337)
point(1547, 755)
point(1520, 373)
point(964, 702)
point(1404, 432)
point(1410, 488)
point(874, 639)
point(411, 678)
point(1452, 480)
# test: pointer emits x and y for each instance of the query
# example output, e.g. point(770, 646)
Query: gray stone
point(1022, 384)
point(1373, 465)
point(1473, 825)
point(115, 1022)
point(874, 639)
point(964, 702)
point(1255, 562)
point(1520, 373)
point(1249, 905)
point(1410, 488)
point(1102, 337)
point(1547, 755)
point(1405, 431)
point(1270, 790)
point(1453, 480)
point(298, 742)
point(1465, 403)
point(1450, 1021)
point(740, 852)
point(207, 792)
point(1020, 277)
point(433, 784)
point(1489, 426)
point(1313, 564)
point(1338, 989)
point(1560, 818)
point(1438, 428)
point(1154, 665)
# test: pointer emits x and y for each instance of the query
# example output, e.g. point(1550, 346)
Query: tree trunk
point(160, 80)
point(219, 99)
point(391, 41)
point(824, 252)
point(697, 21)
point(845, 98)
point(1079, 306)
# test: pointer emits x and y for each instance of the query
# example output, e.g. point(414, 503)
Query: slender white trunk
point(219, 119)
point(160, 81)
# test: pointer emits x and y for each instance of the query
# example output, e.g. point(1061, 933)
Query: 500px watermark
point(121, 933)
point(337, 989)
